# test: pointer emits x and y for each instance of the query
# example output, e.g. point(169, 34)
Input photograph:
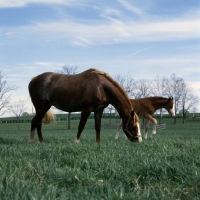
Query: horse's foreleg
point(97, 117)
point(146, 128)
point(83, 120)
point(118, 130)
point(39, 131)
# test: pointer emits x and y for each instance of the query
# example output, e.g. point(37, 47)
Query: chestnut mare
point(146, 107)
point(89, 91)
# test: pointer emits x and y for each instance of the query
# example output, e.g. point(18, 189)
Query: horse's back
point(70, 92)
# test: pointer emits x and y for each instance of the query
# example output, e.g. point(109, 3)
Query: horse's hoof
point(76, 141)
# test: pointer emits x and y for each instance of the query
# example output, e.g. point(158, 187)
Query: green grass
point(167, 167)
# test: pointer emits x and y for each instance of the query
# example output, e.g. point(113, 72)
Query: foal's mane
point(115, 83)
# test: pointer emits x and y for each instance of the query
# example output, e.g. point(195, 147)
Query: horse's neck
point(119, 99)
point(124, 110)
point(123, 107)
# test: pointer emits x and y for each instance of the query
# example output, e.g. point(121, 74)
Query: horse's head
point(132, 128)
point(170, 107)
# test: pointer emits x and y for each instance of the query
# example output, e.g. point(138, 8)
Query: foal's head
point(169, 106)
point(132, 128)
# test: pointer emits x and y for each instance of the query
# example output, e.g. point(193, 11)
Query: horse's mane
point(92, 70)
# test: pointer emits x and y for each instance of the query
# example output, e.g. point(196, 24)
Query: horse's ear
point(171, 98)
point(132, 113)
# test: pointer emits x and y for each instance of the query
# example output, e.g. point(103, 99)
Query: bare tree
point(67, 69)
point(110, 109)
point(159, 89)
point(188, 100)
point(4, 93)
point(126, 82)
point(18, 109)
point(173, 88)
point(143, 88)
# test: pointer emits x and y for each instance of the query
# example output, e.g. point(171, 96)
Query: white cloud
point(109, 32)
point(21, 3)
point(193, 69)
point(132, 8)
point(112, 28)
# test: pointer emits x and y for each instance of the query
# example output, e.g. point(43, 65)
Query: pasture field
point(167, 167)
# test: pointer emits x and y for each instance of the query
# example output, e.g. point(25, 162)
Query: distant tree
point(159, 89)
point(18, 109)
point(142, 88)
point(4, 93)
point(188, 100)
point(158, 86)
point(25, 114)
point(110, 109)
point(173, 88)
point(126, 82)
point(182, 111)
point(67, 69)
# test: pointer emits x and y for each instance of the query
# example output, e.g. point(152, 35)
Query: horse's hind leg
point(36, 123)
point(83, 120)
point(31, 138)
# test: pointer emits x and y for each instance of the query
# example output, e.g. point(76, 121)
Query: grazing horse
point(89, 91)
point(146, 107)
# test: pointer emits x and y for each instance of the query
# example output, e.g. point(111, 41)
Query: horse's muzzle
point(134, 139)
point(131, 137)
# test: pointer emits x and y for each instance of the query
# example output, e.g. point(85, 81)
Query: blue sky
point(136, 37)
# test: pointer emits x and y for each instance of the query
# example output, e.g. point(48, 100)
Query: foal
point(146, 107)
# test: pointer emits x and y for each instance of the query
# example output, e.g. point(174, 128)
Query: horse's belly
point(67, 106)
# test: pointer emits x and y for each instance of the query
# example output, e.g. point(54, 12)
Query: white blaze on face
point(139, 133)
point(172, 111)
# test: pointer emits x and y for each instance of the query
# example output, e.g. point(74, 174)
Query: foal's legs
point(118, 130)
point(146, 127)
point(154, 121)
point(84, 116)
point(97, 117)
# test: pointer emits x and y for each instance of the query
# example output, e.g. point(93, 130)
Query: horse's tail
point(49, 116)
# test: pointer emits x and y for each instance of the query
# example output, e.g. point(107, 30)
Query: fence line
point(158, 127)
